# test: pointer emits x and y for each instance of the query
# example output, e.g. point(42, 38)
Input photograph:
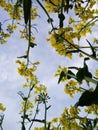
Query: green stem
point(85, 77)
point(91, 80)
point(88, 23)
point(25, 108)
point(80, 50)
point(1, 122)
point(33, 120)
point(45, 12)
point(62, 5)
point(38, 120)
point(88, 47)
point(45, 117)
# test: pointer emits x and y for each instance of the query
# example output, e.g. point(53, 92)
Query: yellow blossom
point(66, 90)
point(72, 111)
point(14, 26)
point(80, 55)
point(25, 85)
point(34, 13)
point(96, 73)
point(53, 39)
point(32, 39)
point(29, 106)
point(71, 20)
point(6, 35)
point(49, 7)
point(36, 63)
point(2, 108)
point(2, 3)
point(37, 89)
point(54, 120)
point(72, 83)
point(89, 109)
point(95, 40)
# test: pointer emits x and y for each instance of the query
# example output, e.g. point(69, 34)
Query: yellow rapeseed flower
point(2, 108)
point(34, 13)
point(72, 83)
point(3, 3)
point(49, 7)
point(54, 120)
point(53, 39)
point(96, 73)
point(36, 63)
point(25, 85)
point(73, 111)
point(71, 20)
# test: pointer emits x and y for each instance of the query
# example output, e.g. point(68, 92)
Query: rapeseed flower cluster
point(65, 39)
point(92, 109)
point(3, 37)
point(68, 119)
point(59, 70)
point(29, 107)
point(28, 73)
point(72, 87)
point(31, 83)
point(58, 41)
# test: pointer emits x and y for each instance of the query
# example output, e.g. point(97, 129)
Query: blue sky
point(11, 82)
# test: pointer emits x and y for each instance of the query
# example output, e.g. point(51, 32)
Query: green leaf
point(25, 56)
point(86, 58)
point(33, 44)
point(61, 76)
point(71, 73)
point(82, 72)
point(48, 107)
point(80, 75)
point(86, 99)
point(96, 89)
point(95, 122)
point(85, 69)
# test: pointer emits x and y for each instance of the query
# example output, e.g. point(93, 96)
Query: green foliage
point(82, 72)
point(88, 98)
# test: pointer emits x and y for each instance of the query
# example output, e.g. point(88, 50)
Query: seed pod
point(27, 10)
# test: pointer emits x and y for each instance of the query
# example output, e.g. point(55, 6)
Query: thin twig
point(45, 116)
point(35, 120)
point(88, 23)
point(80, 50)
point(46, 13)
point(38, 120)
